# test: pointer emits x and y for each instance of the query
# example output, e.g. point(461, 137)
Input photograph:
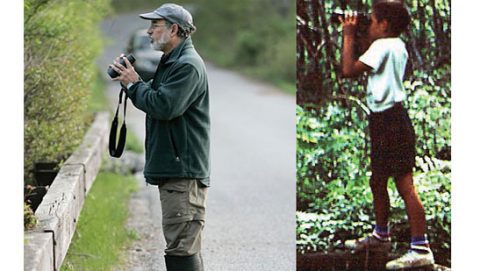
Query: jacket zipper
point(175, 151)
point(147, 138)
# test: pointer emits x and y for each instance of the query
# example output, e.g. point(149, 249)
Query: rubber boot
point(184, 263)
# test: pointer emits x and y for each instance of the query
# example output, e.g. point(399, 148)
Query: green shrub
point(62, 40)
point(429, 106)
point(347, 213)
point(333, 195)
point(29, 219)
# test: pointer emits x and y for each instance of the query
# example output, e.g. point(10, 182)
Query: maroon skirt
point(392, 141)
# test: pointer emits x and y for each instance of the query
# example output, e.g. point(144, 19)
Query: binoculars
point(113, 73)
point(362, 17)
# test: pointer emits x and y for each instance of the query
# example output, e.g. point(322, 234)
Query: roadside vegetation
point(334, 202)
point(97, 98)
point(63, 91)
point(101, 237)
point(255, 37)
point(61, 42)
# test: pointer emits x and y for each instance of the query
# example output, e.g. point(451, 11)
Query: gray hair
point(182, 33)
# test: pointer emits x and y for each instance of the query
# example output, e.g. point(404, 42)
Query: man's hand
point(350, 23)
point(126, 74)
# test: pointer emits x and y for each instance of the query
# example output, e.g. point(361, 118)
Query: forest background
point(334, 202)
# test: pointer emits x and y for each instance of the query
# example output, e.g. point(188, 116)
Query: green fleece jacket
point(176, 102)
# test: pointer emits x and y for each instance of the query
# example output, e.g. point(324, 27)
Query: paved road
point(251, 206)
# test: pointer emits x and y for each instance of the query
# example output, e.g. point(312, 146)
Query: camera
point(362, 18)
point(113, 73)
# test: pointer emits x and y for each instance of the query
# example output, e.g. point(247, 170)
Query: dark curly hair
point(396, 14)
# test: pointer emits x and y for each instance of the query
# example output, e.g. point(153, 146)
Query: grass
point(100, 237)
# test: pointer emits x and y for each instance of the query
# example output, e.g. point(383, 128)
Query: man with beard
point(177, 140)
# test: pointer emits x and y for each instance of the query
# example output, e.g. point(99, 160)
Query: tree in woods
point(332, 146)
point(319, 44)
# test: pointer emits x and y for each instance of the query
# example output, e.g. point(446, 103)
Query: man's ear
point(174, 29)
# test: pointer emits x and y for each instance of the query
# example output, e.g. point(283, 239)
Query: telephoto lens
point(113, 73)
point(362, 17)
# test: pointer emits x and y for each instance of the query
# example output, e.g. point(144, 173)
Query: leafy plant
point(61, 43)
point(333, 195)
point(29, 219)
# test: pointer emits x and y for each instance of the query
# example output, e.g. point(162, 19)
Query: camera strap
point(114, 149)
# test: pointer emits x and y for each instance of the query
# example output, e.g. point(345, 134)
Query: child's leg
point(419, 253)
point(415, 211)
point(381, 200)
point(380, 238)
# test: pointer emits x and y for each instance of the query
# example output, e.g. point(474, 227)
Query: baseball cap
point(173, 13)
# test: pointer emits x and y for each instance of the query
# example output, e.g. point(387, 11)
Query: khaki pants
point(183, 215)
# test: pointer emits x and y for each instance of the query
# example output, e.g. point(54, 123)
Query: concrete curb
point(46, 246)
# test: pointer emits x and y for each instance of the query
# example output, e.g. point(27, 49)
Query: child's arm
point(351, 67)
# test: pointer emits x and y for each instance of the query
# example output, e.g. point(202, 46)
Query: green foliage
point(333, 172)
point(429, 106)
point(332, 177)
point(101, 236)
point(61, 43)
point(346, 211)
point(253, 36)
point(29, 219)
point(333, 193)
point(333, 196)
point(97, 99)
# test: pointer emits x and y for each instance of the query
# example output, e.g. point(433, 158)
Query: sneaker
point(412, 259)
point(371, 242)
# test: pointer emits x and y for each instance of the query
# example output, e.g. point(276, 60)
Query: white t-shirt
point(387, 57)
